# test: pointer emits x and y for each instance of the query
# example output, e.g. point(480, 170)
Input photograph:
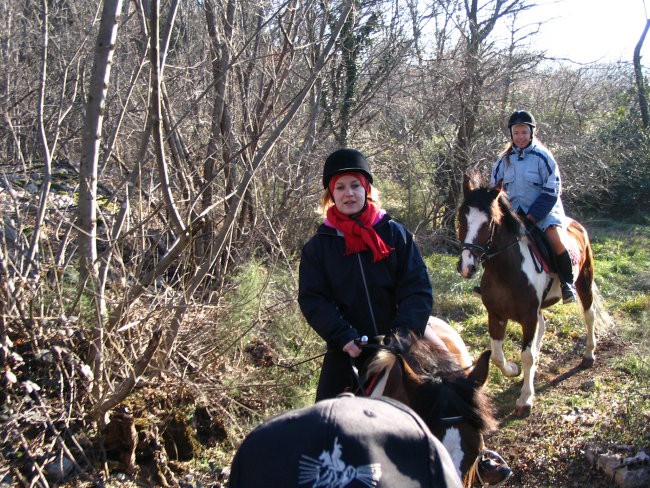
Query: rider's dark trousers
point(337, 375)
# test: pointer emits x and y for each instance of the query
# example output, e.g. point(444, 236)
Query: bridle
point(482, 253)
point(449, 421)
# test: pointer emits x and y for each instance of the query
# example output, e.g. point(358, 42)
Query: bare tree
point(638, 71)
point(87, 217)
point(479, 23)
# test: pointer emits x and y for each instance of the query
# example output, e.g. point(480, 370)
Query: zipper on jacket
point(365, 287)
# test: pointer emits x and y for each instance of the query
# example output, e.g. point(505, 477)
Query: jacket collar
point(520, 153)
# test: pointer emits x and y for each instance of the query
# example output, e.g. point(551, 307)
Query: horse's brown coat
point(511, 287)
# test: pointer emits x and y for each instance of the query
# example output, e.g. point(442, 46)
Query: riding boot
point(565, 272)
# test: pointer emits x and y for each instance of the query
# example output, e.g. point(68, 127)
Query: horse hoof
point(515, 370)
point(587, 363)
point(522, 411)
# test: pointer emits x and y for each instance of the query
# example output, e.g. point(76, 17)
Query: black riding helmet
point(345, 161)
point(522, 117)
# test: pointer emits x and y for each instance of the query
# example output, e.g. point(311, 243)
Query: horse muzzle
point(466, 266)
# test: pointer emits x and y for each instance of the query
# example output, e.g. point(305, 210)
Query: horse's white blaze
point(451, 441)
point(475, 220)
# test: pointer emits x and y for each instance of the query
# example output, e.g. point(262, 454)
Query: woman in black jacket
point(360, 274)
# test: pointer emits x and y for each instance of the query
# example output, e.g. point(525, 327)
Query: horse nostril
point(459, 266)
point(472, 269)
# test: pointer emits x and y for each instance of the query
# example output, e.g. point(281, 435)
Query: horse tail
point(603, 322)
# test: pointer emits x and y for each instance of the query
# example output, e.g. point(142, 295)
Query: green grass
point(611, 408)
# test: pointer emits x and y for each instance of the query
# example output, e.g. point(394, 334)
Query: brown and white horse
point(435, 376)
point(515, 286)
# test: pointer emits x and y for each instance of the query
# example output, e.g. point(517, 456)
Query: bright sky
point(591, 30)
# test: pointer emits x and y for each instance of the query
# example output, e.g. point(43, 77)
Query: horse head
point(449, 399)
point(483, 213)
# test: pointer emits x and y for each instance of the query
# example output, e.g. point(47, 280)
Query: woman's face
point(520, 135)
point(349, 195)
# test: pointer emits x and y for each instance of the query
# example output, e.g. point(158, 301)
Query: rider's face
point(349, 195)
point(521, 135)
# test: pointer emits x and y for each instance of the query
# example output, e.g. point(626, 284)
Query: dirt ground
point(576, 410)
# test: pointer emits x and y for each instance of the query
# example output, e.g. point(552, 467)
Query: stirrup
point(491, 469)
point(568, 293)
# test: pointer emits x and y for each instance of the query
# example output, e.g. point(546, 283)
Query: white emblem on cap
point(329, 470)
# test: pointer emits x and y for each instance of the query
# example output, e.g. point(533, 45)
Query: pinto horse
point(515, 285)
point(436, 378)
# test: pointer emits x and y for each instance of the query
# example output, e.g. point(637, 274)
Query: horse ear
point(481, 369)
point(468, 184)
point(499, 185)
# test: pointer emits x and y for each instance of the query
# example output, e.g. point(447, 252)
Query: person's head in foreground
point(345, 441)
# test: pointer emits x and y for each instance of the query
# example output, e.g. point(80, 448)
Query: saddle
point(541, 250)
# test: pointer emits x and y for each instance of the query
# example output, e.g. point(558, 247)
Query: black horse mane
point(499, 211)
point(446, 390)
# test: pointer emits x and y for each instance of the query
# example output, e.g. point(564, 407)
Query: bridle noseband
point(482, 253)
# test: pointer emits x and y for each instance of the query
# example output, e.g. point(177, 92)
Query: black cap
point(522, 117)
point(345, 161)
point(346, 441)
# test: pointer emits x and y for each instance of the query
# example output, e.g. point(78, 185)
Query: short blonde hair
point(326, 200)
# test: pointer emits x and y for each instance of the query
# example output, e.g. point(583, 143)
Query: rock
point(58, 469)
point(588, 385)
point(625, 472)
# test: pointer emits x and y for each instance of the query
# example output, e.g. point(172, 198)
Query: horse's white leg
point(529, 365)
point(529, 360)
point(541, 329)
point(589, 357)
point(499, 359)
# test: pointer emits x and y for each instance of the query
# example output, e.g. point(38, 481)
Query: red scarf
point(358, 232)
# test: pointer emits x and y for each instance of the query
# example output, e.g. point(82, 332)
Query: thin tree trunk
point(47, 162)
point(87, 213)
point(638, 72)
point(226, 230)
point(156, 112)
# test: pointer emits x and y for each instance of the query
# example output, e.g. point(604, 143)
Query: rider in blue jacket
point(531, 179)
point(360, 274)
